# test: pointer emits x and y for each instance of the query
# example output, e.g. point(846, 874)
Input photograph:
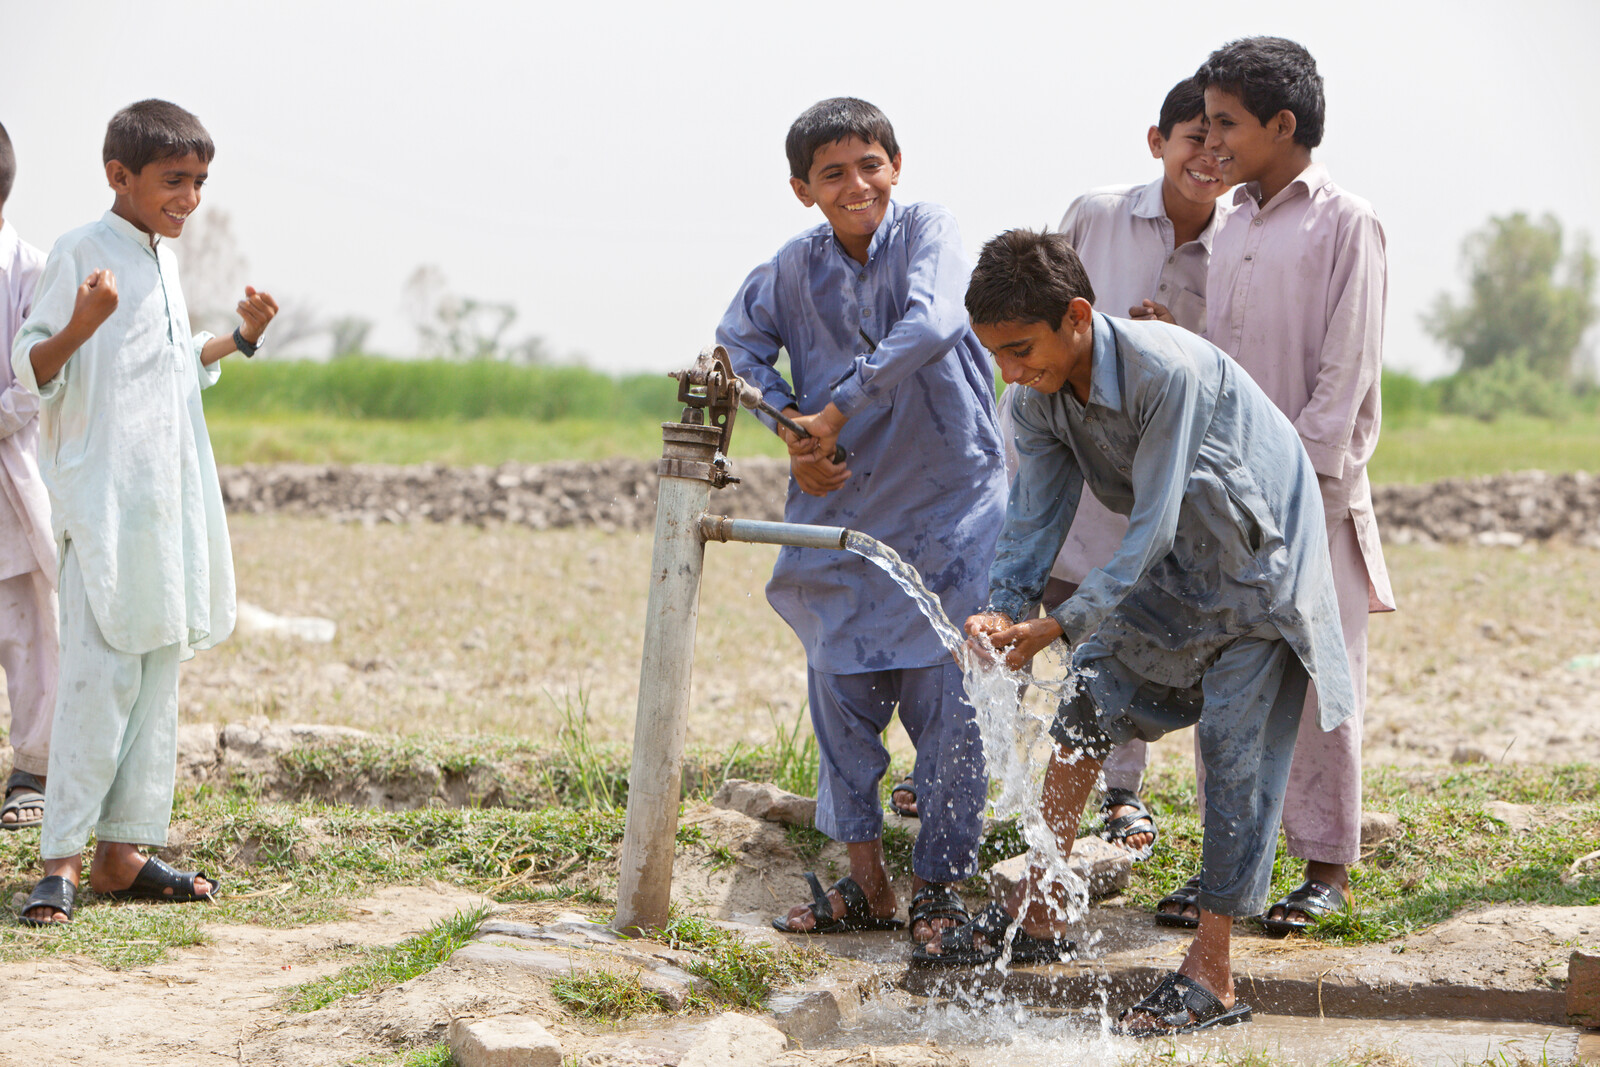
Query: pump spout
point(722, 528)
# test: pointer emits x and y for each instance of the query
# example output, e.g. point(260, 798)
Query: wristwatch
point(244, 346)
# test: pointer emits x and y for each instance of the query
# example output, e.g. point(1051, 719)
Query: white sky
point(615, 169)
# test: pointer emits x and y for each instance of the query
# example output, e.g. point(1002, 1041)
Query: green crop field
point(370, 410)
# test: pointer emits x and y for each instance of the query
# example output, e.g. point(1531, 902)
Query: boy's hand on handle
point(811, 458)
point(96, 300)
point(1021, 641)
point(1150, 310)
point(256, 310)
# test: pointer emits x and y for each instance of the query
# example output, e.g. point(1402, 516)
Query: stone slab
point(503, 1041)
point(1104, 867)
point(1583, 989)
point(763, 800)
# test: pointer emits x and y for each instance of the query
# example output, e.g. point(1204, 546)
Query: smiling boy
point(146, 568)
point(868, 307)
point(1297, 288)
point(1215, 610)
point(1146, 248)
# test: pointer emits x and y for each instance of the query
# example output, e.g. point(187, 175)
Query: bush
point(1506, 387)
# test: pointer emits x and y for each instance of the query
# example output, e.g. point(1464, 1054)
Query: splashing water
point(1016, 739)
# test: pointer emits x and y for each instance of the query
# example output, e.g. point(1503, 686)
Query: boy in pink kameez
point(28, 647)
point(1296, 294)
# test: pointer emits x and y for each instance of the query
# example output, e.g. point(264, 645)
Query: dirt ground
point(1495, 654)
point(456, 629)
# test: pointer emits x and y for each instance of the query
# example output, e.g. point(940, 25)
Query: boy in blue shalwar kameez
point(869, 308)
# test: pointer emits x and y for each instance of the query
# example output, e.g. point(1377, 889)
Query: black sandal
point(1181, 1005)
point(158, 881)
point(1317, 900)
point(857, 911)
point(905, 811)
point(1139, 821)
point(56, 893)
point(1186, 895)
point(959, 947)
point(936, 901)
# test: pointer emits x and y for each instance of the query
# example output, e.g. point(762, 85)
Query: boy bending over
point(146, 569)
point(1215, 609)
point(868, 306)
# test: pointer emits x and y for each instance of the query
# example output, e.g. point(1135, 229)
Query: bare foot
point(801, 919)
point(924, 930)
point(904, 798)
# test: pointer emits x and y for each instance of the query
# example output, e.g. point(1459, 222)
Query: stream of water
point(1016, 738)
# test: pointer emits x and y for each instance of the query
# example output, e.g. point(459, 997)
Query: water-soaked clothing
point(889, 344)
point(1225, 528)
point(927, 475)
point(1246, 714)
point(1219, 601)
point(850, 713)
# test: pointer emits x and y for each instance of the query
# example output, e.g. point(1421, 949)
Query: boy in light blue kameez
point(868, 307)
point(146, 571)
point(1216, 611)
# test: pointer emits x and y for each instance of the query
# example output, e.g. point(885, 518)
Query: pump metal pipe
point(722, 528)
point(655, 783)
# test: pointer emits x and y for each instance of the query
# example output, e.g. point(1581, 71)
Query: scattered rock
point(1378, 826)
point(1583, 989)
point(874, 1056)
point(1518, 818)
point(503, 1041)
point(805, 1016)
point(734, 1040)
point(763, 800)
point(1104, 867)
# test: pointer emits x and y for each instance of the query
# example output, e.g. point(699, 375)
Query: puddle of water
point(1001, 1034)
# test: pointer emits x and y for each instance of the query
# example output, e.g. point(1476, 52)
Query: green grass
point(1450, 855)
point(1452, 446)
point(383, 968)
point(606, 995)
point(740, 973)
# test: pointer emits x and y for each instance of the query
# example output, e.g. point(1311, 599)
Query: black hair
point(8, 166)
point(1026, 276)
point(1185, 102)
point(1269, 75)
point(142, 133)
point(832, 120)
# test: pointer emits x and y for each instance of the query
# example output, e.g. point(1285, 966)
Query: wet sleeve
point(1044, 498)
point(1165, 402)
point(749, 331)
point(934, 319)
point(1351, 360)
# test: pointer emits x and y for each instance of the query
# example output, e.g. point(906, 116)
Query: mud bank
point(620, 494)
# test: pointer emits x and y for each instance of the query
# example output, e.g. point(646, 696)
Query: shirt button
point(866, 313)
point(861, 277)
point(1171, 258)
point(1249, 257)
point(1163, 288)
point(1259, 220)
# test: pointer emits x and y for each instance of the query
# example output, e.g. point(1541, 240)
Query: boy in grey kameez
point(1215, 611)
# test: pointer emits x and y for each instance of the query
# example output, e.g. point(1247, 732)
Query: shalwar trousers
point(114, 736)
point(1246, 713)
point(1322, 807)
point(1124, 767)
point(849, 713)
point(29, 653)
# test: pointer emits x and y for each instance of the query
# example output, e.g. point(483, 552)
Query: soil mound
point(619, 494)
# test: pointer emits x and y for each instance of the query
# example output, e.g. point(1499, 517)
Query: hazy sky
point(615, 169)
